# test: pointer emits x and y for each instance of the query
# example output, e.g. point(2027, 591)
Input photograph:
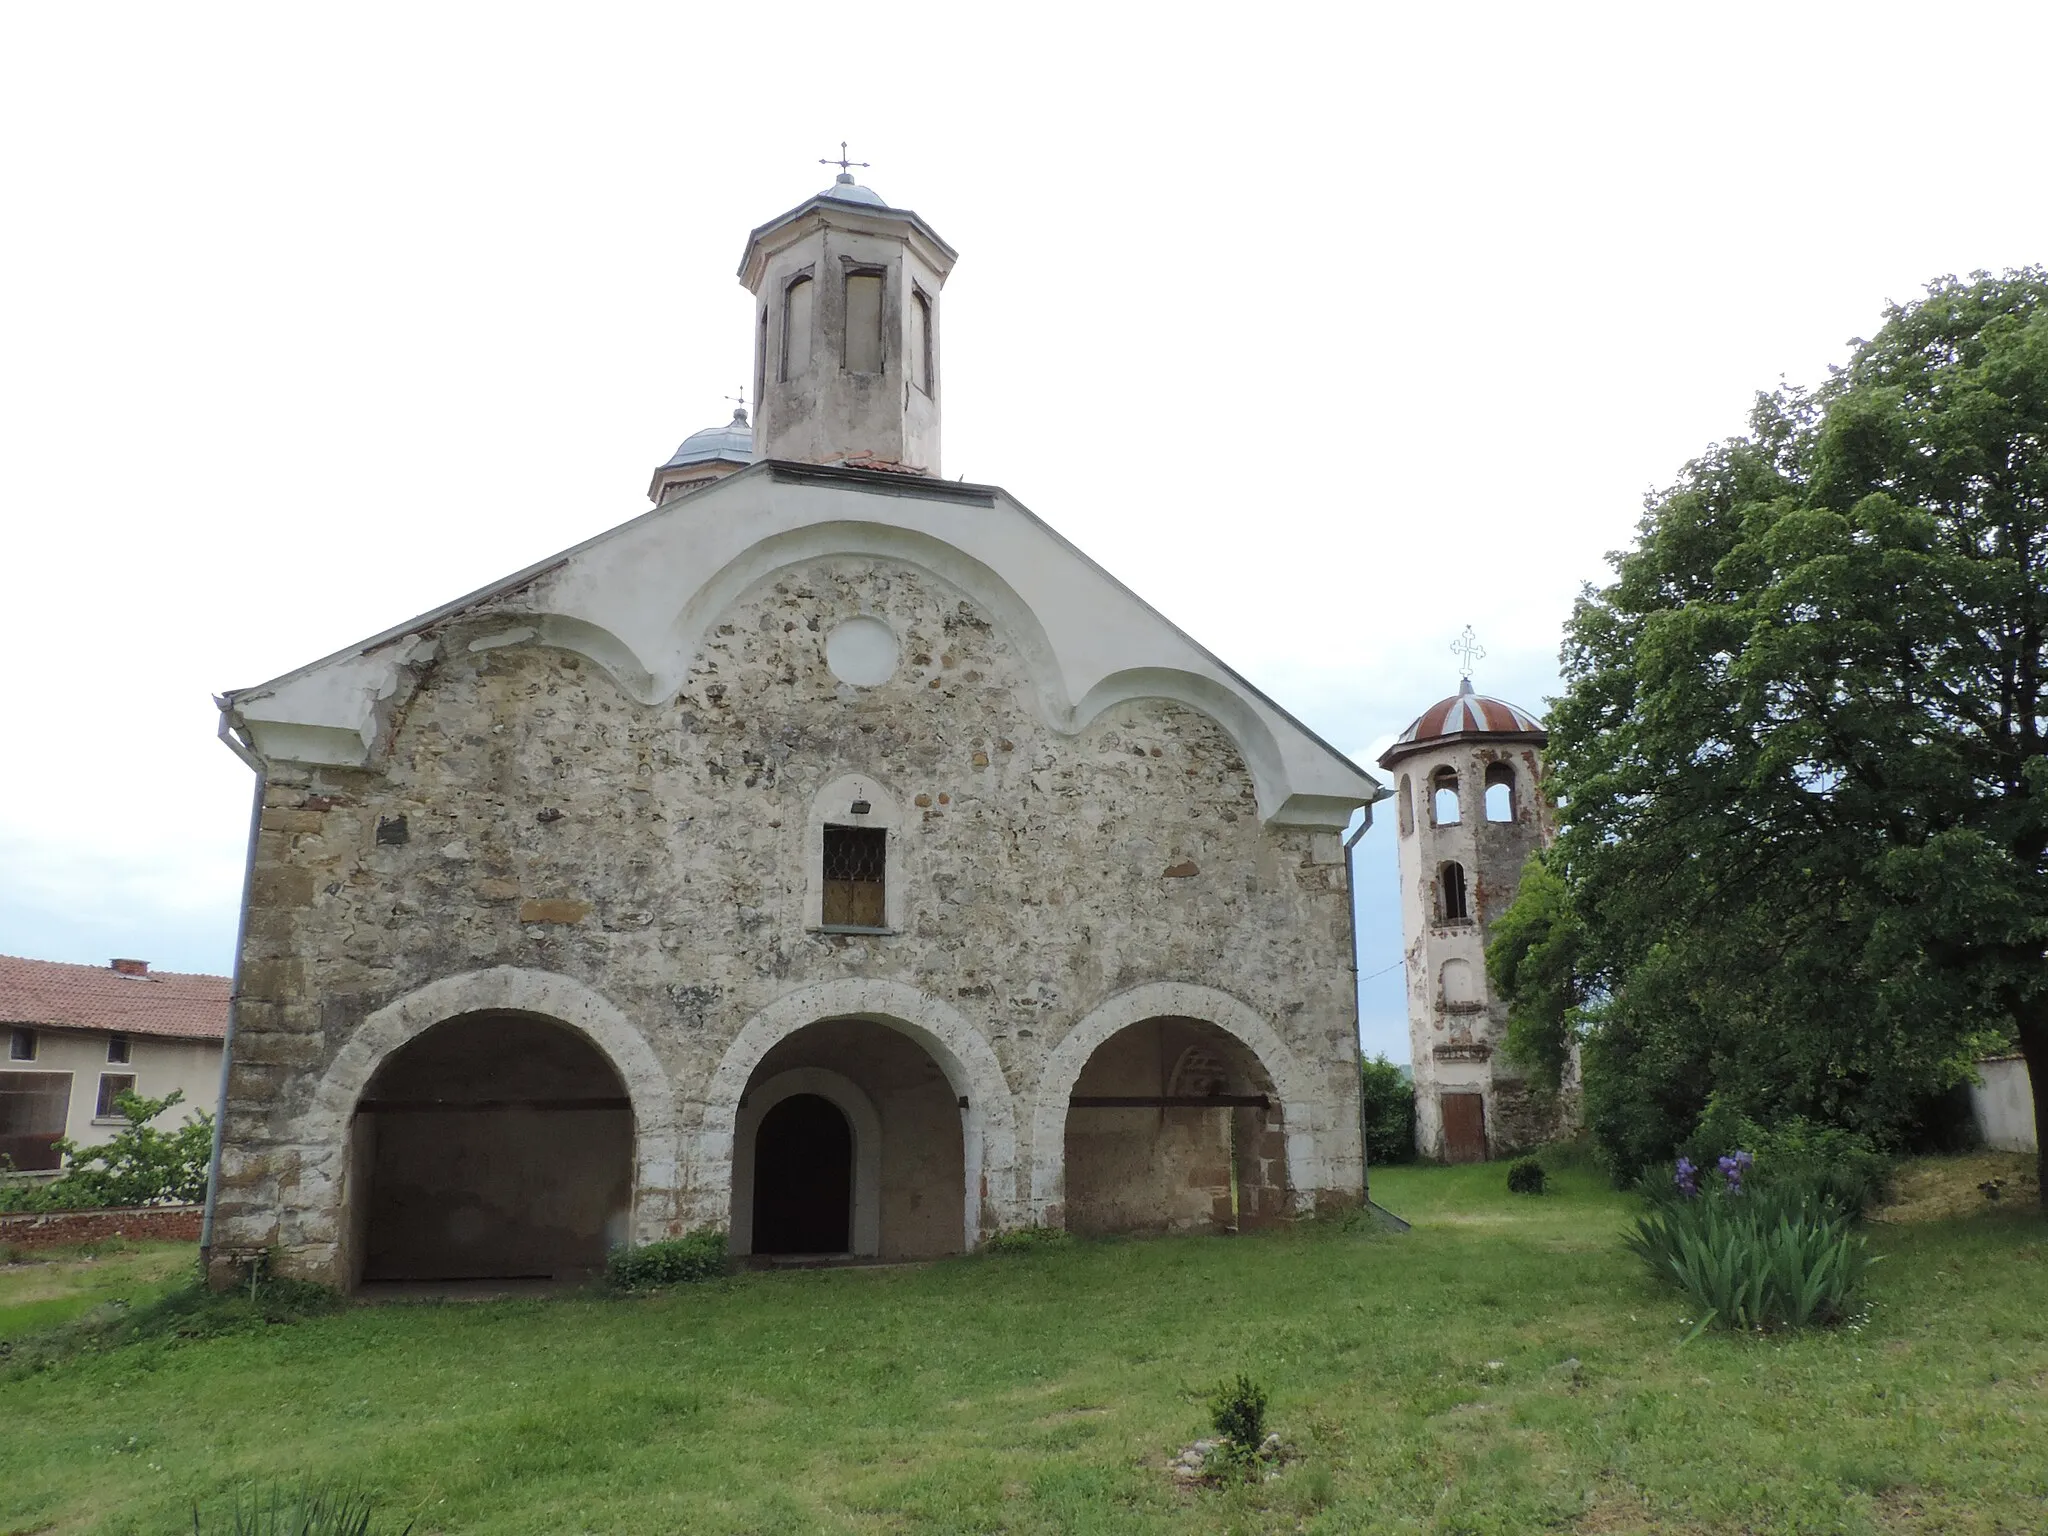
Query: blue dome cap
point(733, 442)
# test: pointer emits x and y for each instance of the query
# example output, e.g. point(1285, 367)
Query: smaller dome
point(734, 441)
point(1465, 713)
point(847, 190)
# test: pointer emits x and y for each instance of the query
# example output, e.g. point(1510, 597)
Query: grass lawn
point(1422, 1378)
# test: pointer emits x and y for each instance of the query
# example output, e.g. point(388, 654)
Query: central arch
point(987, 1113)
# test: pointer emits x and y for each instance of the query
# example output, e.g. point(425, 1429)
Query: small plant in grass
point(1526, 1177)
point(1237, 1411)
point(1027, 1240)
point(677, 1261)
point(305, 1511)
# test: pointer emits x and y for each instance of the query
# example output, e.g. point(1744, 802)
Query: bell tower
point(846, 331)
point(1470, 800)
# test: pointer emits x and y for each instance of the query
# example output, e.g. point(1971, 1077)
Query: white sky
point(1329, 329)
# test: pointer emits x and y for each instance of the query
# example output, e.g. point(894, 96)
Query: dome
point(847, 190)
point(1465, 714)
point(733, 442)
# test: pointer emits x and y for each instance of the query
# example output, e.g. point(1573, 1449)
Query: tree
point(1799, 760)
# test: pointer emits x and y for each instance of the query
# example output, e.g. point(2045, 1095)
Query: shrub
point(1843, 1166)
point(1526, 1177)
point(1238, 1412)
point(677, 1261)
point(307, 1511)
point(1026, 1240)
point(1389, 1112)
point(139, 1166)
point(1760, 1258)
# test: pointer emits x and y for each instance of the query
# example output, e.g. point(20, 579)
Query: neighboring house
point(77, 1037)
point(833, 854)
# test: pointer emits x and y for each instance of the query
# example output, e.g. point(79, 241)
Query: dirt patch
point(1943, 1188)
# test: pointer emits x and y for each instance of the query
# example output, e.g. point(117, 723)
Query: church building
point(833, 855)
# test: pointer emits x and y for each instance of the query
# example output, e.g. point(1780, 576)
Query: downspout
point(1386, 1217)
point(227, 1044)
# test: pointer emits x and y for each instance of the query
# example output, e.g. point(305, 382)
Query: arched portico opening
point(1252, 1053)
point(1174, 1125)
point(849, 1142)
point(493, 1145)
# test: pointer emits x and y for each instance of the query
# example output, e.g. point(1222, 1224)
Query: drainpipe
point(1386, 1217)
point(227, 1044)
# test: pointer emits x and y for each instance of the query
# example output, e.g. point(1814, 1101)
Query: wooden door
point(1464, 1127)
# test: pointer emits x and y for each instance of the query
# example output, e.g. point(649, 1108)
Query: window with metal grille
point(112, 1086)
point(117, 1049)
point(856, 861)
point(21, 1045)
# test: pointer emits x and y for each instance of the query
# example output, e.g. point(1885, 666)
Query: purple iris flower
point(1733, 1168)
point(1687, 1178)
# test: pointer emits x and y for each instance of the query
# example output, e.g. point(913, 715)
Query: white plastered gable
point(637, 601)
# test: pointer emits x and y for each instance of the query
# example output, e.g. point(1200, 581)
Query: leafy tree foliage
point(1389, 1112)
point(1802, 788)
point(140, 1165)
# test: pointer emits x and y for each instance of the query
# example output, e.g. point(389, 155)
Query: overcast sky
point(1329, 330)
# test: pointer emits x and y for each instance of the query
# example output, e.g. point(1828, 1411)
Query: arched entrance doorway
point(491, 1146)
point(803, 1178)
point(848, 1142)
point(1174, 1125)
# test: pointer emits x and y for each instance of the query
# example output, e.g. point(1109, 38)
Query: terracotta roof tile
point(164, 1003)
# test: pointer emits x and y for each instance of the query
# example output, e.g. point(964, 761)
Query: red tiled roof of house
point(163, 1003)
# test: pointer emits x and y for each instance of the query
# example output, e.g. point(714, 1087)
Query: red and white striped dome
point(1465, 713)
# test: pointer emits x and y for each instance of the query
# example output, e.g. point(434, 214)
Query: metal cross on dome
point(1468, 650)
point(845, 165)
point(739, 399)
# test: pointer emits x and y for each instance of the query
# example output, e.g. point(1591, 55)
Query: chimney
point(130, 967)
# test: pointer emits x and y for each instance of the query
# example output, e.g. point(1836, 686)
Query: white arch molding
point(865, 1231)
point(1169, 1000)
point(324, 1126)
point(988, 1124)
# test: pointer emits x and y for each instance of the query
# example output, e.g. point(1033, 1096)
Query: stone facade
point(525, 819)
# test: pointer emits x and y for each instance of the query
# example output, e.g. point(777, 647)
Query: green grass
point(1421, 1378)
point(42, 1289)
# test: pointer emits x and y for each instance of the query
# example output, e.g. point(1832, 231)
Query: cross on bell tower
point(845, 165)
point(1468, 650)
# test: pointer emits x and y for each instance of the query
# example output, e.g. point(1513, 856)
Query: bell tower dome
point(846, 331)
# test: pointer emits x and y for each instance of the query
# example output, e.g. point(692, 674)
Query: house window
point(797, 300)
point(1452, 906)
point(1443, 785)
point(117, 1049)
point(21, 1045)
point(863, 322)
point(856, 860)
point(1500, 793)
point(921, 340)
point(33, 1108)
point(112, 1086)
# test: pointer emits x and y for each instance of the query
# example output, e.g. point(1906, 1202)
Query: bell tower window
point(798, 300)
point(1452, 905)
point(921, 340)
point(863, 322)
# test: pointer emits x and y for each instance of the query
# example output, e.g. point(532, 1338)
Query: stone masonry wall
point(522, 811)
